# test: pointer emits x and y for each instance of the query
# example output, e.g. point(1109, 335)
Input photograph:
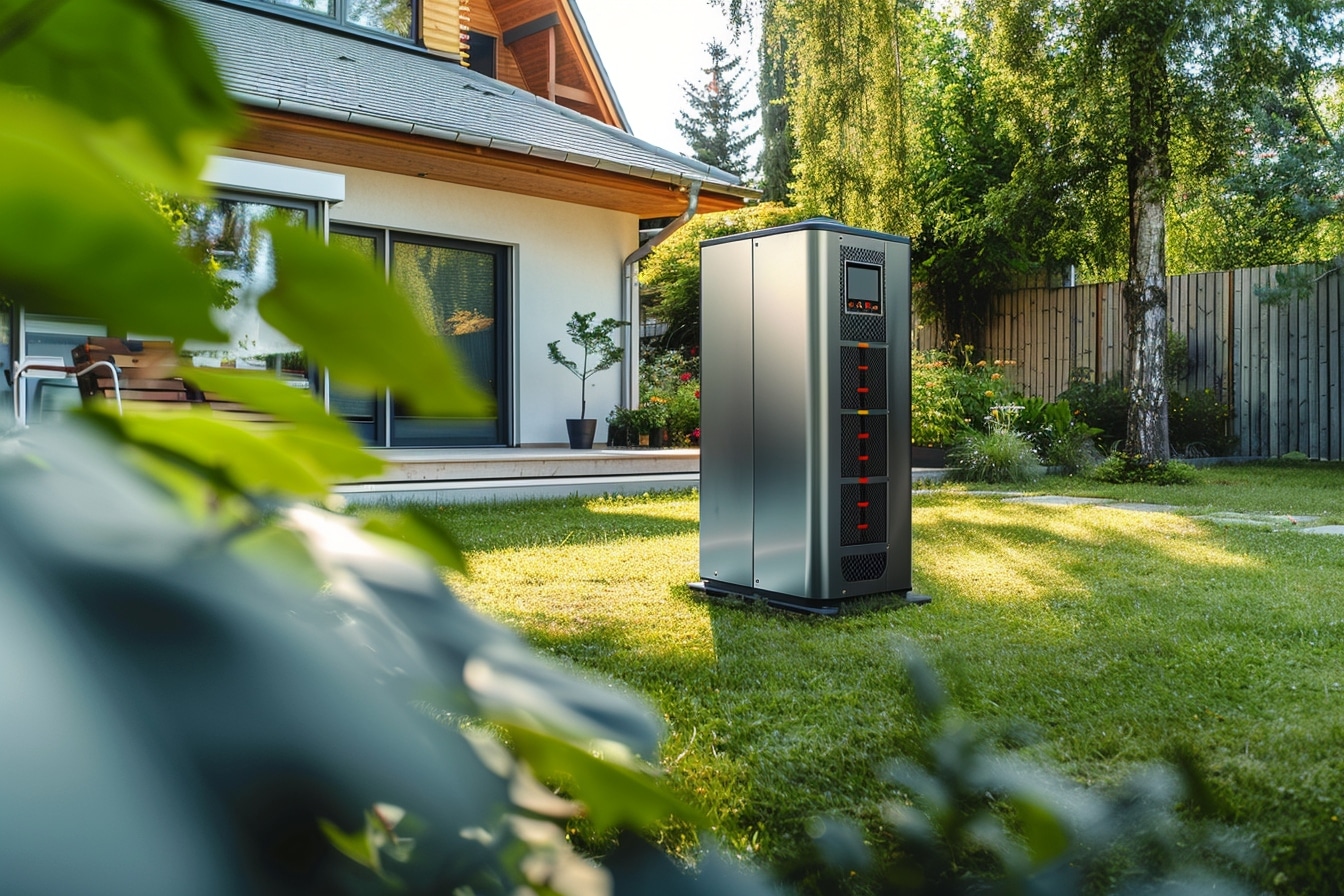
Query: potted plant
point(655, 408)
point(621, 428)
point(600, 351)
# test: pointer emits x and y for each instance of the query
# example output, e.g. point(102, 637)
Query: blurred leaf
point(930, 698)
point(268, 394)
point(356, 845)
point(224, 453)
point(638, 869)
point(1043, 832)
point(231, 700)
point(511, 685)
point(840, 844)
point(330, 460)
point(922, 786)
point(283, 552)
point(76, 240)
point(616, 793)
point(349, 319)
point(136, 66)
point(417, 527)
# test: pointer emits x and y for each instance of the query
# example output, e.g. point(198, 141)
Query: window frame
point(338, 20)
point(385, 432)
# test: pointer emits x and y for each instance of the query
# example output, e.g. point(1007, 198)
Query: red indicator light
point(863, 457)
point(863, 480)
point(863, 390)
point(863, 366)
point(863, 345)
point(862, 526)
point(861, 504)
point(864, 435)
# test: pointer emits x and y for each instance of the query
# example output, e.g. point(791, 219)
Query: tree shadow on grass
point(572, 520)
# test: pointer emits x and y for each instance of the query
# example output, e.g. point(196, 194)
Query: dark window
point(461, 290)
point(481, 53)
point(391, 17)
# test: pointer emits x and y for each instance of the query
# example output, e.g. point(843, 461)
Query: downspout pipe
point(630, 296)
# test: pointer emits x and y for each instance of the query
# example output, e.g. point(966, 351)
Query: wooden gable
point(540, 48)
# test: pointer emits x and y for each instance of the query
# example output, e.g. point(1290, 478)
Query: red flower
point(685, 377)
point(697, 393)
point(696, 434)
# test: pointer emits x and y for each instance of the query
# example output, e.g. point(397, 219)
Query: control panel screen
point(863, 288)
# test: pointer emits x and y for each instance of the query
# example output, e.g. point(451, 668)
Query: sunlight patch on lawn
point(627, 592)
point(687, 510)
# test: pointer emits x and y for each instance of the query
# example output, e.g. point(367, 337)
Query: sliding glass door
point(460, 290)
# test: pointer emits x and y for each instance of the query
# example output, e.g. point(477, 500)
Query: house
point(475, 149)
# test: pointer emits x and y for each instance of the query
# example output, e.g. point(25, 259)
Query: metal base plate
point(798, 604)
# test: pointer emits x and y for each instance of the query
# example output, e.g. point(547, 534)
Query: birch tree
point(1130, 78)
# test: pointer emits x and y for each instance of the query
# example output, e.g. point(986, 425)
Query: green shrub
point(1197, 421)
point(951, 392)
point(1198, 425)
point(669, 386)
point(1102, 405)
point(1059, 434)
point(683, 412)
point(1121, 467)
point(1000, 455)
point(969, 800)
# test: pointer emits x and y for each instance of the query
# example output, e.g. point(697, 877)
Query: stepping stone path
point(1265, 520)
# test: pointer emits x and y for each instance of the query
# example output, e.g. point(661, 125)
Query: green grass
point(1117, 636)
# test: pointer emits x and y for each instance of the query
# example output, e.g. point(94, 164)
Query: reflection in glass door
point(363, 409)
point(458, 288)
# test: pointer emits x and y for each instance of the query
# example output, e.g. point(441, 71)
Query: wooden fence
point(1280, 366)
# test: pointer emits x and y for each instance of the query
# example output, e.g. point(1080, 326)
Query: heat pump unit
point(805, 415)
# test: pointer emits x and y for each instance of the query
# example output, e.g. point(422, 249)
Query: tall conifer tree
point(714, 125)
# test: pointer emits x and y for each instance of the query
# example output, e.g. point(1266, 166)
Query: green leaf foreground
point(77, 240)
point(352, 321)
point(617, 790)
point(136, 68)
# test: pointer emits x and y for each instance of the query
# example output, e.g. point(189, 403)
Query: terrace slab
point(1143, 508)
point(1264, 520)
point(1325, 530)
point(1056, 500)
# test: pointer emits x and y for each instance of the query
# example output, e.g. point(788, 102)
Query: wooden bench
point(147, 371)
point(147, 378)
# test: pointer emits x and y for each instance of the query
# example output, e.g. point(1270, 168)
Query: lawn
point(1118, 636)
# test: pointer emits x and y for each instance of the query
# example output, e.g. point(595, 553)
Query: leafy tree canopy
point(670, 276)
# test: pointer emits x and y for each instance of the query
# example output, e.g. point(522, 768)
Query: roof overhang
point(530, 171)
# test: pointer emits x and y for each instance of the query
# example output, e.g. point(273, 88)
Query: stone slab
point(1324, 530)
point(1056, 500)
point(1143, 508)
point(1267, 520)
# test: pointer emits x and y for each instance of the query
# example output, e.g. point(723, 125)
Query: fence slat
point(1279, 368)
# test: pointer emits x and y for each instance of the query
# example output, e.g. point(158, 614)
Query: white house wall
point(566, 258)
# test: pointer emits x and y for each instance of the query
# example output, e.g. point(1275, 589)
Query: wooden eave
point(359, 146)
point(553, 55)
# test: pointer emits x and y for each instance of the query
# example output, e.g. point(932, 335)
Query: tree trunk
point(1145, 293)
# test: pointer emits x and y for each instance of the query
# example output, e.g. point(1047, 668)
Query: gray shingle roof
point(275, 63)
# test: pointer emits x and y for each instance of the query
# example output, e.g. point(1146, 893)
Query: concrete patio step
point(485, 474)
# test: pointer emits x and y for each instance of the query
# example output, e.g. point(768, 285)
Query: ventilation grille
point(862, 389)
point(860, 327)
point(863, 513)
point(863, 567)
point(862, 437)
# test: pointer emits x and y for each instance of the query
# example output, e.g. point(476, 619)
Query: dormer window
point(480, 55)
point(392, 17)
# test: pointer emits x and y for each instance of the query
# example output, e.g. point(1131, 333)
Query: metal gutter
point(630, 296)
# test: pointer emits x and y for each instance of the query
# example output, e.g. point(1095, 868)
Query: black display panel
point(863, 288)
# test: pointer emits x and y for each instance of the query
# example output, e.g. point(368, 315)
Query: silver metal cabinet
point(805, 414)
